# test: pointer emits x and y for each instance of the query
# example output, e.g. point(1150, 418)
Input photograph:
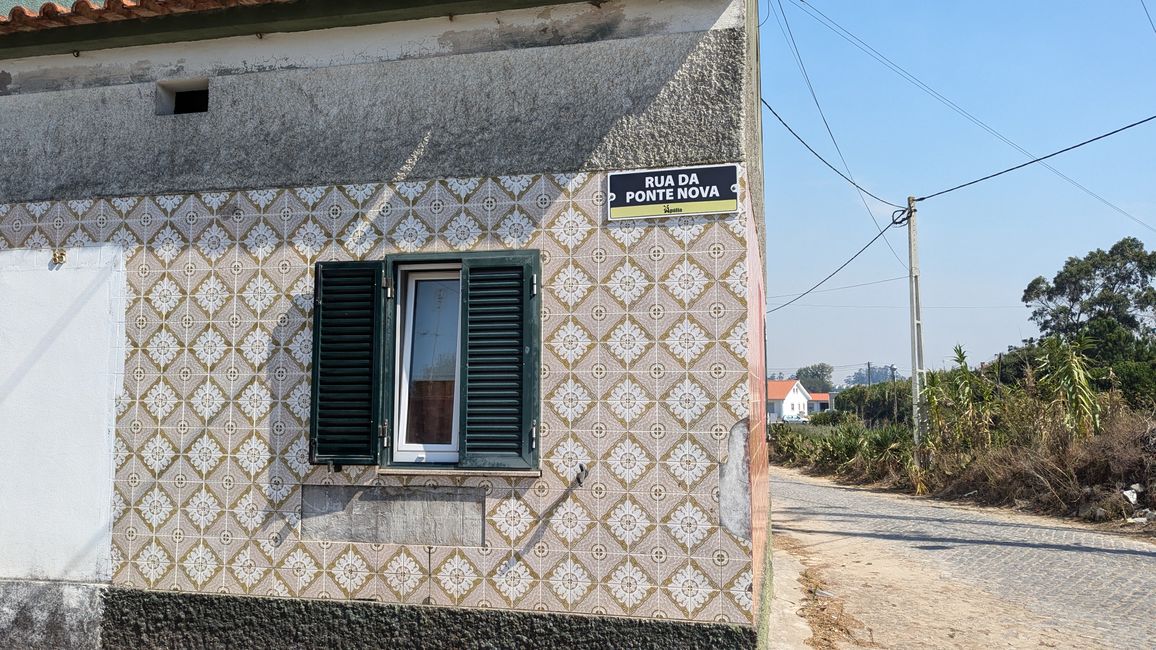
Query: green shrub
point(834, 418)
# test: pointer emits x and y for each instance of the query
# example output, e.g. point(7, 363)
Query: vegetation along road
point(886, 570)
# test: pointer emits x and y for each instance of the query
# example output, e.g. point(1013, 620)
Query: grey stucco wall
point(49, 615)
point(144, 619)
point(670, 99)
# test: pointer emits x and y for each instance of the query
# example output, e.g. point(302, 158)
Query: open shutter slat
point(346, 363)
point(499, 368)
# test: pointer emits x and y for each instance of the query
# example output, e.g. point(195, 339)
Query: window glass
point(433, 361)
point(428, 361)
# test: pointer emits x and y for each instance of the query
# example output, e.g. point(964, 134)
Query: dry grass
point(1081, 477)
point(831, 626)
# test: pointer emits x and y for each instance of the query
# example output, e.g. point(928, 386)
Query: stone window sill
point(459, 473)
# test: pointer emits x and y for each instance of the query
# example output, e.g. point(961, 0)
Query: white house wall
point(61, 364)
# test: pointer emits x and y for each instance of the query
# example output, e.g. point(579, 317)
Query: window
point(426, 409)
point(427, 360)
point(177, 97)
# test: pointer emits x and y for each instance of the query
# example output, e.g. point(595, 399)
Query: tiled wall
point(645, 371)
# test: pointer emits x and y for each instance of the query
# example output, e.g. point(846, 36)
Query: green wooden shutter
point(347, 349)
point(499, 357)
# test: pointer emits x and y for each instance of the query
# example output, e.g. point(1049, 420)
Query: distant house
point(786, 397)
point(819, 402)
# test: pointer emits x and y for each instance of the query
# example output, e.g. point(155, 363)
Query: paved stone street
point(1100, 586)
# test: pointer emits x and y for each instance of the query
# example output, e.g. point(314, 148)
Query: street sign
point(660, 193)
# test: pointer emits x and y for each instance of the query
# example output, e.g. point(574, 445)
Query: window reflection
point(433, 361)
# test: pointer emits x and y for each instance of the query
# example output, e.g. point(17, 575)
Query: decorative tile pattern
point(645, 342)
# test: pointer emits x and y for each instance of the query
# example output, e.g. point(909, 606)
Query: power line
point(899, 217)
point(836, 367)
point(824, 160)
point(802, 304)
point(849, 286)
point(766, 16)
point(789, 35)
point(1150, 23)
point(1036, 160)
point(864, 47)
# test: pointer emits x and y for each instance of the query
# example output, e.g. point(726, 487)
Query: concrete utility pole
point(868, 373)
point(894, 397)
point(919, 424)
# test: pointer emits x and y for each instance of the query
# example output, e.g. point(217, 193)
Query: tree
point(1106, 299)
point(816, 378)
point(1101, 288)
point(879, 403)
point(879, 374)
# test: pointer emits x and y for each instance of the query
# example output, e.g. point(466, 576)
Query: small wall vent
point(182, 96)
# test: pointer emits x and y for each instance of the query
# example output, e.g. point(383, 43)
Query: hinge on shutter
point(534, 434)
point(383, 432)
point(534, 285)
point(389, 286)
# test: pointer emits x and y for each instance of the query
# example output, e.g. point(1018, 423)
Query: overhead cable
point(1036, 160)
point(985, 307)
point(1150, 23)
point(824, 161)
point(898, 218)
point(849, 286)
point(789, 35)
point(840, 31)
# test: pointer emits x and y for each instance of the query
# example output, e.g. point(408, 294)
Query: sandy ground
point(838, 591)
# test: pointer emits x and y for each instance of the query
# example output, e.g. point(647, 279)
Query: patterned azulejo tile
point(644, 348)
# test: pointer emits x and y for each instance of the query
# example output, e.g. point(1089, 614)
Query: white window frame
point(405, 452)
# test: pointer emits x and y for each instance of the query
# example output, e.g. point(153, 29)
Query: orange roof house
point(786, 397)
point(777, 389)
point(819, 402)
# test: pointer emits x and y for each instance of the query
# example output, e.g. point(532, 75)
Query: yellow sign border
point(672, 210)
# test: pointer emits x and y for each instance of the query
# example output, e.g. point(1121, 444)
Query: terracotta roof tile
point(83, 12)
point(777, 389)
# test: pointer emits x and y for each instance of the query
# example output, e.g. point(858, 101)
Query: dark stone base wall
point(146, 619)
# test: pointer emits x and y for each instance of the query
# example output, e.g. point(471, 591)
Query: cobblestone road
point(1100, 584)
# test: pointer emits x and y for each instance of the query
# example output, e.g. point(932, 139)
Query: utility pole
point(999, 373)
point(894, 397)
point(868, 374)
point(919, 424)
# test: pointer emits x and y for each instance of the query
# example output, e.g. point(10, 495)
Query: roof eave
point(240, 20)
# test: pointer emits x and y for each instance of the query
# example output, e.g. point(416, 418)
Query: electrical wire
point(849, 286)
point(861, 364)
point(1036, 160)
point(803, 304)
point(864, 47)
point(766, 16)
point(1150, 23)
point(824, 160)
point(789, 35)
point(898, 218)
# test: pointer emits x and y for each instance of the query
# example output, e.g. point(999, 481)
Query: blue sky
point(1044, 73)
